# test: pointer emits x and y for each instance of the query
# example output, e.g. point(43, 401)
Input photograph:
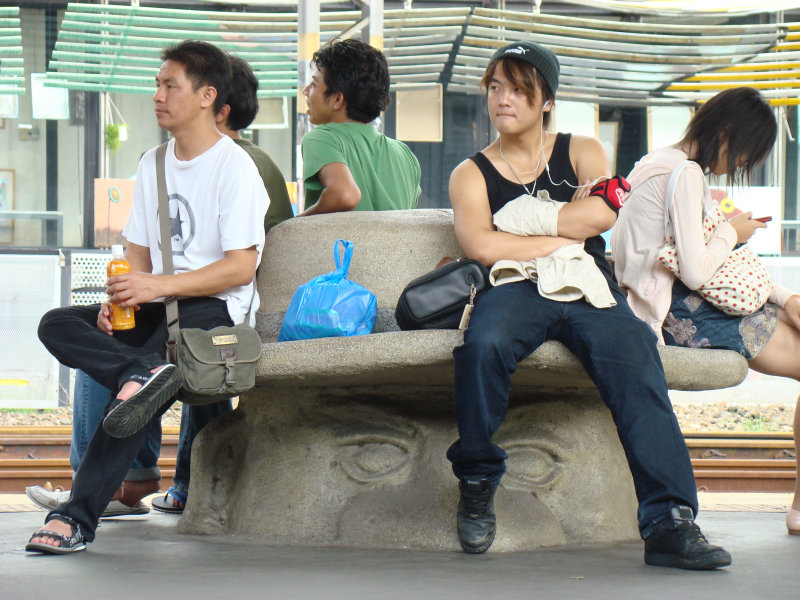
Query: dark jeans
point(193, 419)
point(71, 335)
point(89, 403)
point(617, 350)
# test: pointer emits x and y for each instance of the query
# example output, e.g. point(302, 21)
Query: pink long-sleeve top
point(639, 234)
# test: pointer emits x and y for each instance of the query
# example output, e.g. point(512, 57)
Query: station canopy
point(681, 8)
point(115, 48)
point(12, 74)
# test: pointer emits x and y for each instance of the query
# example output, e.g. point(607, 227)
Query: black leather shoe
point(680, 544)
point(476, 522)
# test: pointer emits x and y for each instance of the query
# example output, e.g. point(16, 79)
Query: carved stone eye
point(530, 466)
point(370, 458)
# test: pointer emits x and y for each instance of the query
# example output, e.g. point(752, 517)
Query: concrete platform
point(756, 390)
point(145, 557)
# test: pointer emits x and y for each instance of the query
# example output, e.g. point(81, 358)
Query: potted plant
point(115, 134)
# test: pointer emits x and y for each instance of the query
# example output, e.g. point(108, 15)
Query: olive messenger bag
point(215, 364)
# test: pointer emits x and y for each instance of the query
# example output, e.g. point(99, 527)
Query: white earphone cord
point(518, 174)
point(563, 181)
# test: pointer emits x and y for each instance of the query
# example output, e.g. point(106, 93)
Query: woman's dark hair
point(525, 77)
point(205, 64)
point(241, 95)
point(742, 118)
point(360, 73)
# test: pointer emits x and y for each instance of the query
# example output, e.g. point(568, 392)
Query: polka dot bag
point(742, 285)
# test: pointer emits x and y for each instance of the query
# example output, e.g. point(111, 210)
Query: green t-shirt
point(385, 170)
point(280, 206)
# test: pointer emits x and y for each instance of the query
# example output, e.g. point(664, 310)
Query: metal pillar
point(91, 162)
point(373, 33)
point(51, 136)
point(307, 44)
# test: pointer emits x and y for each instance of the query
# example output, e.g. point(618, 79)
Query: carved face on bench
point(366, 471)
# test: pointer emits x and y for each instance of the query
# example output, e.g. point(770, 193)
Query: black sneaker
point(680, 544)
point(476, 522)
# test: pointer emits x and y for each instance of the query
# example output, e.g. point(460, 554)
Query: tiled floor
point(147, 557)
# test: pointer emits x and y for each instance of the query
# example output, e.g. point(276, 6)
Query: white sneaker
point(116, 508)
point(44, 498)
point(48, 500)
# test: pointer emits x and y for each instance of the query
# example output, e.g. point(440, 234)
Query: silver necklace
point(517, 173)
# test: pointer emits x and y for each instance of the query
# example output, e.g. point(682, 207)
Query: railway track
point(722, 462)
point(742, 461)
point(33, 455)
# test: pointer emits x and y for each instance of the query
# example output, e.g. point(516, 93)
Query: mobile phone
point(763, 219)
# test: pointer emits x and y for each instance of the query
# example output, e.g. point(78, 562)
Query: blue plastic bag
point(330, 305)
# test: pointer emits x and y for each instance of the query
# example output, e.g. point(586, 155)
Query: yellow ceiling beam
point(759, 66)
point(761, 85)
point(747, 76)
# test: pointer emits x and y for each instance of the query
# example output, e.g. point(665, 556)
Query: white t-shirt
point(217, 203)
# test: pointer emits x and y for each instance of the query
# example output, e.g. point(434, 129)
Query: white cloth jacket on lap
point(566, 275)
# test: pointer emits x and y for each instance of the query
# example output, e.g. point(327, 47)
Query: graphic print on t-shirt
point(181, 224)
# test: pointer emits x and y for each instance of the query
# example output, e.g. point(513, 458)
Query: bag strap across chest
point(171, 302)
point(710, 207)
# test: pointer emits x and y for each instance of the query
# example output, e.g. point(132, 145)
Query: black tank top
point(502, 191)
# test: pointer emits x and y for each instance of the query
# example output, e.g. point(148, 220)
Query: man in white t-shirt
point(217, 204)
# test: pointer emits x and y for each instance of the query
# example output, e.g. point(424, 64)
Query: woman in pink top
point(729, 135)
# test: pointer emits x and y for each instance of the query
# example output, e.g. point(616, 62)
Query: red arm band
point(612, 191)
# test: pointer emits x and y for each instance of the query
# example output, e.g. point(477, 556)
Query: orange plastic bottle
point(121, 318)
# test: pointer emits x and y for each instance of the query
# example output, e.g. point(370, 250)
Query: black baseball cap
point(542, 59)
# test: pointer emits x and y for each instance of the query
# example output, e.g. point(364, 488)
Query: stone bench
point(343, 440)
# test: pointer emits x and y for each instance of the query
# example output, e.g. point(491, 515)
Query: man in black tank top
point(617, 350)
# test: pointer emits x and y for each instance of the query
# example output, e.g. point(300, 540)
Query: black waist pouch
point(437, 299)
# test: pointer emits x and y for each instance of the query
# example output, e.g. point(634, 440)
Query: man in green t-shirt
point(347, 163)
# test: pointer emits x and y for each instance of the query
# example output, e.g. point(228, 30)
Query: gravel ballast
point(717, 416)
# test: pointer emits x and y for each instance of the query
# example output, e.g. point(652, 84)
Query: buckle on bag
point(171, 356)
point(228, 355)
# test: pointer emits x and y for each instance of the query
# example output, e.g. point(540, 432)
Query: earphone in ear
point(546, 104)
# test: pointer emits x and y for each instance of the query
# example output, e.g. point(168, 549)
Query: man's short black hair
point(241, 94)
point(526, 77)
point(360, 73)
point(205, 64)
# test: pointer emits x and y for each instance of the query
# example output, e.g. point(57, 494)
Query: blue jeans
point(618, 352)
point(88, 406)
point(72, 337)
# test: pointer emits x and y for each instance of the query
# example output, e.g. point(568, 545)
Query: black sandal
point(75, 543)
point(167, 503)
point(126, 417)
